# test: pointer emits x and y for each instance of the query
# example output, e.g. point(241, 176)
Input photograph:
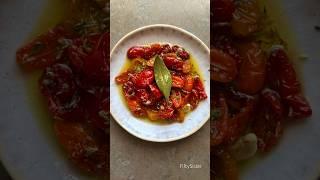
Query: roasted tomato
point(269, 122)
point(155, 91)
point(140, 86)
point(177, 81)
point(255, 90)
point(166, 48)
point(59, 87)
point(198, 86)
point(252, 71)
point(92, 63)
point(286, 82)
point(188, 84)
point(44, 50)
point(223, 10)
point(223, 66)
point(143, 78)
point(176, 99)
point(97, 107)
point(135, 107)
point(122, 78)
point(85, 150)
point(145, 52)
point(247, 16)
point(173, 62)
point(96, 63)
point(136, 52)
point(181, 52)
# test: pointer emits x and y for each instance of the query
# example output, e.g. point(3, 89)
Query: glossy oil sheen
point(127, 64)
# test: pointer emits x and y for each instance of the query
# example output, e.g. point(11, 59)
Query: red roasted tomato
point(142, 93)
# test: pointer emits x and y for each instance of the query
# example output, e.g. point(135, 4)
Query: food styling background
point(297, 156)
point(132, 158)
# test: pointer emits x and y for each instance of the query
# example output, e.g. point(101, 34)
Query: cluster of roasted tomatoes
point(74, 83)
point(141, 92)
point(254, 90)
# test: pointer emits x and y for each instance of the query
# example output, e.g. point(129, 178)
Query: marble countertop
point(132, 158)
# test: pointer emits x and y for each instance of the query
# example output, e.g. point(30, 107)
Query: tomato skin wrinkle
point(177, 81)
point(135, 52)
point(155, 91)
point(143, 79)
point(173, 62)
point(288, 85)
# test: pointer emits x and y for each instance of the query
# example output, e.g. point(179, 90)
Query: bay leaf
point(162, 76)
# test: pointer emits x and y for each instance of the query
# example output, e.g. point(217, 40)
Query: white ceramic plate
point(145, 129)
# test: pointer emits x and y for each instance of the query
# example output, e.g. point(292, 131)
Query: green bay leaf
point(163, 77)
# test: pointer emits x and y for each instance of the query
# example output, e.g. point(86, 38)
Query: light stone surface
point(135, 159)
